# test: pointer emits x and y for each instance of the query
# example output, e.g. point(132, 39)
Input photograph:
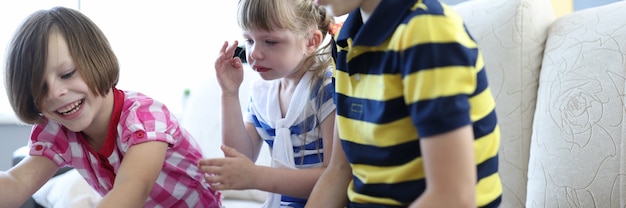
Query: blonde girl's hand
point(234, 172)
point(229, 69)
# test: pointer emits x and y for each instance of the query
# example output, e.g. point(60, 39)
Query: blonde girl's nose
point(254, 53)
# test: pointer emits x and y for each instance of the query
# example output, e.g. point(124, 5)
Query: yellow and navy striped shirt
point(412, 71)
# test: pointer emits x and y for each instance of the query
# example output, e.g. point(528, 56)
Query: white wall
point(165, 46)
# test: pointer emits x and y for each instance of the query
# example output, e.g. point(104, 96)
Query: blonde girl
point(290, 107)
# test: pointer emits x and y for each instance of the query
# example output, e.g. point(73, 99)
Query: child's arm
point(331, 188)
point(237, 134)
point(450, 170)
point(238, 172)
point(23, 180)
point(229, 73)
point(137, 174)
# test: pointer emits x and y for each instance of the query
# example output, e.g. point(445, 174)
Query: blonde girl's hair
point(93, 58)
point(299, 17)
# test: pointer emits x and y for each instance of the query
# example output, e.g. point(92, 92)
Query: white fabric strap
point(282, 150)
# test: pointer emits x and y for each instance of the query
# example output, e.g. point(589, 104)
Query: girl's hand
point(235, 171)
point(229, 69)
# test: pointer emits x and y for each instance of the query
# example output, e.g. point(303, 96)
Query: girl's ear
point(314, 41)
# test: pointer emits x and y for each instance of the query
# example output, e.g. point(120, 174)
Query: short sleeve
point(248, 113)
point(52, 141)
point(258, 89)
point(147, 120)
point(327, 104)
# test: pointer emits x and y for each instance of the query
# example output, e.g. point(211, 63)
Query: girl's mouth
point(71, 108)
point(260, 69)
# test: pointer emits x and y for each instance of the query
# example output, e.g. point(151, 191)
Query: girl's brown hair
point(27, 53)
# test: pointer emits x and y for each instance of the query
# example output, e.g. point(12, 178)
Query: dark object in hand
point(240, 52)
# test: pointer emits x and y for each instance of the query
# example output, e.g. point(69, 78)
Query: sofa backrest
point(511, 35)
point(577, 154)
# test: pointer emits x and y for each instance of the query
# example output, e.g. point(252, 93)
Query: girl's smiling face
point(68, 100)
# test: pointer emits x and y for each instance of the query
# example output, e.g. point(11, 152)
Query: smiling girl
point(61, 75)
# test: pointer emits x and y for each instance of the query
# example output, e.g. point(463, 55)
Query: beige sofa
point(560, 91)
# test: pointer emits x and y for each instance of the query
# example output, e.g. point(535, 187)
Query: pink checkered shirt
point(136, 118)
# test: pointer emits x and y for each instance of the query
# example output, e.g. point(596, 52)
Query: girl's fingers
point(211, 162)
point(224, 46)
point(231, 49)
point(215, 181)
point(210, 178)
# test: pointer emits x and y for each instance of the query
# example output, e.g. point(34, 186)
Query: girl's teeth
point(71, 108)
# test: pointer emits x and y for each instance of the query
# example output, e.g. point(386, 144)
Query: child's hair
point(299, 17)
point(93, 58)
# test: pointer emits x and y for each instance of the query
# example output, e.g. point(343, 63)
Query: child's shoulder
point(143, 107)
point(133, 99)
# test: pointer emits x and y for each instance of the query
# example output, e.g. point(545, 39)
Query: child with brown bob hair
point(61, 76)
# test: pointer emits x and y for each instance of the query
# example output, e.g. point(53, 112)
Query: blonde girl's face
point(275, 54)
point(68, 100)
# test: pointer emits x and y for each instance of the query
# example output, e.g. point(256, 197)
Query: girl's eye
point(68, 75)
point(249, 42)
point(271, 42)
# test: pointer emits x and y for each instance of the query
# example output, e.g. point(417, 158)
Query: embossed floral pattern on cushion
point(576, 157)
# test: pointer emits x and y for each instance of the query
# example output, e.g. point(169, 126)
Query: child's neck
point(365, 15)
point(367, 8)
point(96, 143)
point(96, 133)
point(287, 87)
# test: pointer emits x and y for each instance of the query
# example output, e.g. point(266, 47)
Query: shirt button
point(357, 77)
point(38, 147)
point(140, 134)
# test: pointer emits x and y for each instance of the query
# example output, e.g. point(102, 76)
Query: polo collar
point(373, 33)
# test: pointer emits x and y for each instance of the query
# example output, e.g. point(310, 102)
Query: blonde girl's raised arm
point(22, 181)
point(235, 133)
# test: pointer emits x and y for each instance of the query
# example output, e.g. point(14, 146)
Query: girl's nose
point(57, 88)
point(254, 53)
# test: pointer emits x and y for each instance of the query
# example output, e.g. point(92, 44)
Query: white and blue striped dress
point(264, 112)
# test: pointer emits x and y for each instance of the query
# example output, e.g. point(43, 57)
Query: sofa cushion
point(511, 35)
point(577, 149)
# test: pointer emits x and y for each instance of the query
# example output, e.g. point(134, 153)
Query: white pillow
point(67, 190)
point(248, 195)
